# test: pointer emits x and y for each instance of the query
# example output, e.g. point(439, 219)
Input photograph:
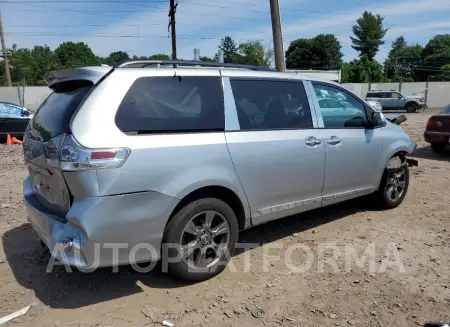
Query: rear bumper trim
point(436, 137)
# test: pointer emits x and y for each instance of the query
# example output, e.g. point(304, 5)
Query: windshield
point(9, 110)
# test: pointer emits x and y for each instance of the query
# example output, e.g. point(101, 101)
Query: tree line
point(405, 62)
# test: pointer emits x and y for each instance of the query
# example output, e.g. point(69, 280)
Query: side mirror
point(376, 120)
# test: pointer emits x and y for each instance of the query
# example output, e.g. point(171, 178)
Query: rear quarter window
point(172, 104)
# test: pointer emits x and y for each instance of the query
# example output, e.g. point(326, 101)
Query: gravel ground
point(403, 282)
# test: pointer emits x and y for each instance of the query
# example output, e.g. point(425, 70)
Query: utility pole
point(172, 11)
point(277, 36)
point(5, 55)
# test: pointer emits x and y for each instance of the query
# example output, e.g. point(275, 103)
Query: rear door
point(383, 100)
point(42, 141)
point(278, 154)
point(372, 96)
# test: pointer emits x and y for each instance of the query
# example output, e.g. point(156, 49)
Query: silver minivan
point(151, 160)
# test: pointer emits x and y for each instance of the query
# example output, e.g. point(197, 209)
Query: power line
point(108, 35)
point(238, 7)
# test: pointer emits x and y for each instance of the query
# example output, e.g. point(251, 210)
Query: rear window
point(54, 115)
point(172, 104)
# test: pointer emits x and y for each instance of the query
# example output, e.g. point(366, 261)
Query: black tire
point(383, 199)
point(438, 147)
point(411, 107)
point(175, 230)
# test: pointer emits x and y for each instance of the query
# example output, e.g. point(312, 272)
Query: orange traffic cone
point(16, 141)
point(8, 139)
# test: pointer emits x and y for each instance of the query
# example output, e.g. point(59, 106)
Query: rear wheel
point(200, 239)
point(411, 107)
point(393, 187)
point(438, 147)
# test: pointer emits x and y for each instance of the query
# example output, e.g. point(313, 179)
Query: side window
point(395, 95)
point(172, 104)
point(340, 109)
point(271, 104)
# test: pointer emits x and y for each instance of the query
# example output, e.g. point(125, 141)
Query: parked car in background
point(393, 100)
point(182, 159)
point(13, 120)
point(437, 131)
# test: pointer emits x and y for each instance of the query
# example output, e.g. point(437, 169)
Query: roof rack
point(176, 63)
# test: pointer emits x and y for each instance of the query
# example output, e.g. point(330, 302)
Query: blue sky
point(139, 27)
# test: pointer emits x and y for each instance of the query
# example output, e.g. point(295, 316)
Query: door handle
point(312, 141)
point(334, 140)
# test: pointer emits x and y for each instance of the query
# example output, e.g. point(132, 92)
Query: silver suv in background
point(392, 100)
point(183, 158)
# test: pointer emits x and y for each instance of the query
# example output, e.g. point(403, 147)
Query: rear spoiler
point(92, 74)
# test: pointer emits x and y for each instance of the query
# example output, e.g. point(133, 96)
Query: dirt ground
point(264, 292)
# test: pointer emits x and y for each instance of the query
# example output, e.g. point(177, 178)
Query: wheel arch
point(397, 152)
point(239, 206)
point(412, 101)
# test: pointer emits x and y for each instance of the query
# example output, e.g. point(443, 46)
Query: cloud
point(436, 27)
point(196, 21)
point(338, 23)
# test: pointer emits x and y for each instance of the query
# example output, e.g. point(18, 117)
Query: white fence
point(29, 97)
point(437, 95)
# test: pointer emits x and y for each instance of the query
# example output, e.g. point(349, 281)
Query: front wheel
point(411, 107)
point(393, 187)
point(200, 239)
point(438, 147)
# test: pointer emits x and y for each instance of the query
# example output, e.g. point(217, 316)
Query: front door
point(278, 154)
point(352, 151)
point(398, 101)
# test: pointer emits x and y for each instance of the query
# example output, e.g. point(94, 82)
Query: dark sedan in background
point(437, 132)
point(13, 120)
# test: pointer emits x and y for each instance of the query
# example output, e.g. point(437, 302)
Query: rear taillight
point(430, 124)
point(73, 157)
